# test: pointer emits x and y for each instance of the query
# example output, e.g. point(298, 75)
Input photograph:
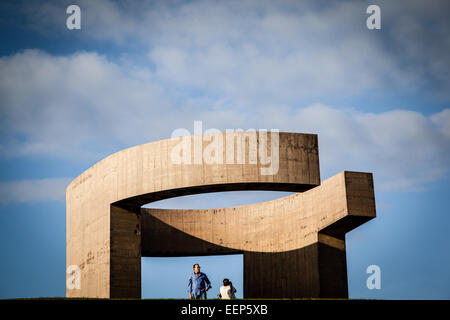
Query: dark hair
point(226, 282)
point(195, 265)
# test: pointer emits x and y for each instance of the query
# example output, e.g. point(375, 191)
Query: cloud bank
point(283, 50)
point(67, 106)
point(236, 64)
point(31, 191)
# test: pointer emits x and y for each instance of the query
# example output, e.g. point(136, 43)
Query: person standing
point(198, 284)
point(227, 291)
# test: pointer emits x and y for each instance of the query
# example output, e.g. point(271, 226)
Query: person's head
point(196, 268)
point(226, 282)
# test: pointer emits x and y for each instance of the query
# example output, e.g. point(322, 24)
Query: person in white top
point(227, 290)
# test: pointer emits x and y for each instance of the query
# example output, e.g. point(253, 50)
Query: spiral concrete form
point(293, 247)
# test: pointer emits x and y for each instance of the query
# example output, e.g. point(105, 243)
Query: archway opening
point(167, 277)
point(217, 199)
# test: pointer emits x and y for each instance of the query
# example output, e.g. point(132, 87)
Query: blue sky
point(136, 71)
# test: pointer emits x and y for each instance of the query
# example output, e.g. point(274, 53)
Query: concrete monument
point(293, 247)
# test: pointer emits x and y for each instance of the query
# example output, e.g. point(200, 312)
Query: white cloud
point(442, 120)
point(277, 50)
point(404, 149)
point(85, 106)
point(233, 64)
point(270, 53)
point(29, 191)
point(63, 105)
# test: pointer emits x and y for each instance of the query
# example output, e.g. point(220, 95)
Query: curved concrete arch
point(107, 232)
point(145, 173)
point(301, 236)
point(280, 225)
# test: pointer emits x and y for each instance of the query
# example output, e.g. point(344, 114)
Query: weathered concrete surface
point(107, 233)
point(299, 238)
